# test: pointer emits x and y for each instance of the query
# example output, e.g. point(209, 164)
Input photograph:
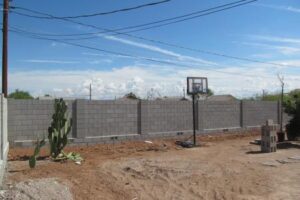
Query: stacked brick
point(268, 137)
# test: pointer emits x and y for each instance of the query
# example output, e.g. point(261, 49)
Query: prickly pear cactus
point(32, 159)
point(60, 128)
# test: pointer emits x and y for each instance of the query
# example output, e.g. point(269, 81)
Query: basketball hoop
point(196, 85)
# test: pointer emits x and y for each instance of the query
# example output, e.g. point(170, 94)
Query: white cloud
point(294, 63)
point(276, 39)
point(293, 9)
point(285, 50)
point(108, 84)
point(92, 54)
point(95, 62)
point(178, 56)
point(49, 61)
point(262, 55)
point(284, 8)
point(287, 46)
point(57, 44)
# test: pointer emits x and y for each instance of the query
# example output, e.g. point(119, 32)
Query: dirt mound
point(37, 189)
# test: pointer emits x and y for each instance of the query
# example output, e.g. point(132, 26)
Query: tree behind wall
point(210, 92)
point(132, 96)
point(293, 109)
point(19, 94)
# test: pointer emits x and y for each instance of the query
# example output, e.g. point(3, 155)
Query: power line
point(206, 11)
point(156, 41)
point(93, 33)
point(176, 46)
point(189, 18)
point(181, 17)
point(110, 12)
point(130, 55)
point(114, 11)
point(152, 40)
point(233, 4)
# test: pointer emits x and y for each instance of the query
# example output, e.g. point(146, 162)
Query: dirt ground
point(224, 167)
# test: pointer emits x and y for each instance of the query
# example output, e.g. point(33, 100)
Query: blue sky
point(265, 30)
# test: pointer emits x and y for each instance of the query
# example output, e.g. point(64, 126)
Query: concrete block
point(268, 137)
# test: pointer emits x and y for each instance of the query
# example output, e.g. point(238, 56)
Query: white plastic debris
point(149, 142)
point(78, 162)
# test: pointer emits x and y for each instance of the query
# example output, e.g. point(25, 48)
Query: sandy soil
point(225, 167)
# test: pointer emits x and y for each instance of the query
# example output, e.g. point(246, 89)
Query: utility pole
point(281, 109)
point(90, 91)
point(4, 46)
point(263, 94)
point(281, 133)
point(194, 121)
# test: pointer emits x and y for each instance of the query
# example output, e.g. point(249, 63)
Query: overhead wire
point(179, 47)
point(152, 40)
point(113, 11)
point(131, 56)
point(202, 13)
point(188, 18)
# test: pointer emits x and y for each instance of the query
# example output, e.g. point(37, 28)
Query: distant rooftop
point(226, 97)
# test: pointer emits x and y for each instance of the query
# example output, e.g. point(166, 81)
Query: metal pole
point(4, 46)
point(281, 108)
point(194, 120)
point(90, 91)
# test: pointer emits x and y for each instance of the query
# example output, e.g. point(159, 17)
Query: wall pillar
point(242, 114)
point(4, 145)
point(139, 117)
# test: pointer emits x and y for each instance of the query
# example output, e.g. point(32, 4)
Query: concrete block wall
point(166, 116)
point(219, 115)
point(30, 119)
point(255, 113)
point(106, 118)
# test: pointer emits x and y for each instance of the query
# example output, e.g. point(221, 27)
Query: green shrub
point(292, 107)
point(19, 94)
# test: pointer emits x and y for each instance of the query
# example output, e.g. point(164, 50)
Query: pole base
point(280, 136)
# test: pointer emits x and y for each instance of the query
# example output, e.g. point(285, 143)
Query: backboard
point(197, 85)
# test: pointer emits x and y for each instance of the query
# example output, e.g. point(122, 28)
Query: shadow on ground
point(24, 158)
point(281, 145)
point(254, 152)
point(288, 145)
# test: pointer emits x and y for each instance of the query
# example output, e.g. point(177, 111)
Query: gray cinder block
point(268, 137)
